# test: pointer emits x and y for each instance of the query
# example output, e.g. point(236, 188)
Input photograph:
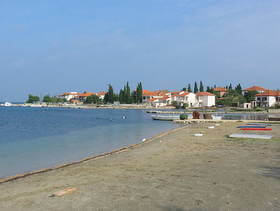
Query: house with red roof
point(80, 97)
point(220, 90)
point(156, 98)
point(184, 97)
point(258, 89)
point(205, 99)
point(268, 98)
point(69, 95)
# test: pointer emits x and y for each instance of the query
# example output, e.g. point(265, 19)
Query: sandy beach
point(176, 171)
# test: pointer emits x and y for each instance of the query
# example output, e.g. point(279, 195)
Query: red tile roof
point(86, 94)
point(220, 89)
point(69, 93)
point(204, 94)
point(184, 94)
point(154, 93)
point(101, 93)
point(269, 93)
point(255, 88)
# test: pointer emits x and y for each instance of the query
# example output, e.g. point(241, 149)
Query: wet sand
point(174, 172)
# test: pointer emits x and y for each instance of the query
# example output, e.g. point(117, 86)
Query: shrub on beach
point(183, 116)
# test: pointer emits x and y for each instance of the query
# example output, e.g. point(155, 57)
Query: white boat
point(165, 118)
point(7, 104)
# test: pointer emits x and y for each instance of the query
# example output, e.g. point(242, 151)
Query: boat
point(273, 118)
point(165, 118)
point(262, 129)
point(252, 126)
point(7, 104)
point(254, 136)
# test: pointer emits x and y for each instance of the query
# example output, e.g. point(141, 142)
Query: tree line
point(125, 96)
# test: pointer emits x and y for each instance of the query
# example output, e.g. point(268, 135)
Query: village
point(260, 97)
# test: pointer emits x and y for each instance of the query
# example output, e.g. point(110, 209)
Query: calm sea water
point(35, 138)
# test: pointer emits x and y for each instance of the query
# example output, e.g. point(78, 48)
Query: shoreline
point(149, 109)
point(174, 170)
point(95, 157)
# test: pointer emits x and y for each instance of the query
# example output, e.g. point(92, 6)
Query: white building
point(69, 95)
point(269, 98)
point(184, 98)
point(156, 98)
point(160, 102)
point(205, 99)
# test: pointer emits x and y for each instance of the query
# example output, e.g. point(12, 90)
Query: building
point(158, 98)
point(75, 96)
point(184, 98)
point(160, 102)
point(268, 98)
point(101, 95)
point(220, 90)
point(205, 99)
point(69, 95)
point(164, 98)
point(258, 89)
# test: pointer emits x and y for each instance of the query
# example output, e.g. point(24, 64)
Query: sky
point(56, 46)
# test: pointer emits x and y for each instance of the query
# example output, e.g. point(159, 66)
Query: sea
point(36, 138)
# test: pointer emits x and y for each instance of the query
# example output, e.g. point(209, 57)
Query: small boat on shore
point(273, 118)
point(252, 126)
point(261, 129)
point(165, 118)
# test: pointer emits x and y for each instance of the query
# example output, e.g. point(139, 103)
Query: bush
point(176, 105)
point(183, 116)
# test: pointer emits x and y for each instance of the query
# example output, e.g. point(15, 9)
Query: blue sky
point(52, 46)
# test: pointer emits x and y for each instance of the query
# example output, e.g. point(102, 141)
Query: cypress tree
point(128, 96)
point(238, 89)
point(230, 87)
point(201, 88)
point(189, 88)
point(139, 92)
point(121, 96)
point(109, 96)
point(195, 88)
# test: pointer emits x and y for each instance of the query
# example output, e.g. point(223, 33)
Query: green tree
point(230, 87)
point(189, 88)
point(238, 89)
point(33, 99)
point(250, 96)
point(109, 96)
point(127, 94)
point(93, 99)
point(47, 99)
point(201, 88)
point(121, 96)
point(231, 98)
point(139, 93)
point(195, 88)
